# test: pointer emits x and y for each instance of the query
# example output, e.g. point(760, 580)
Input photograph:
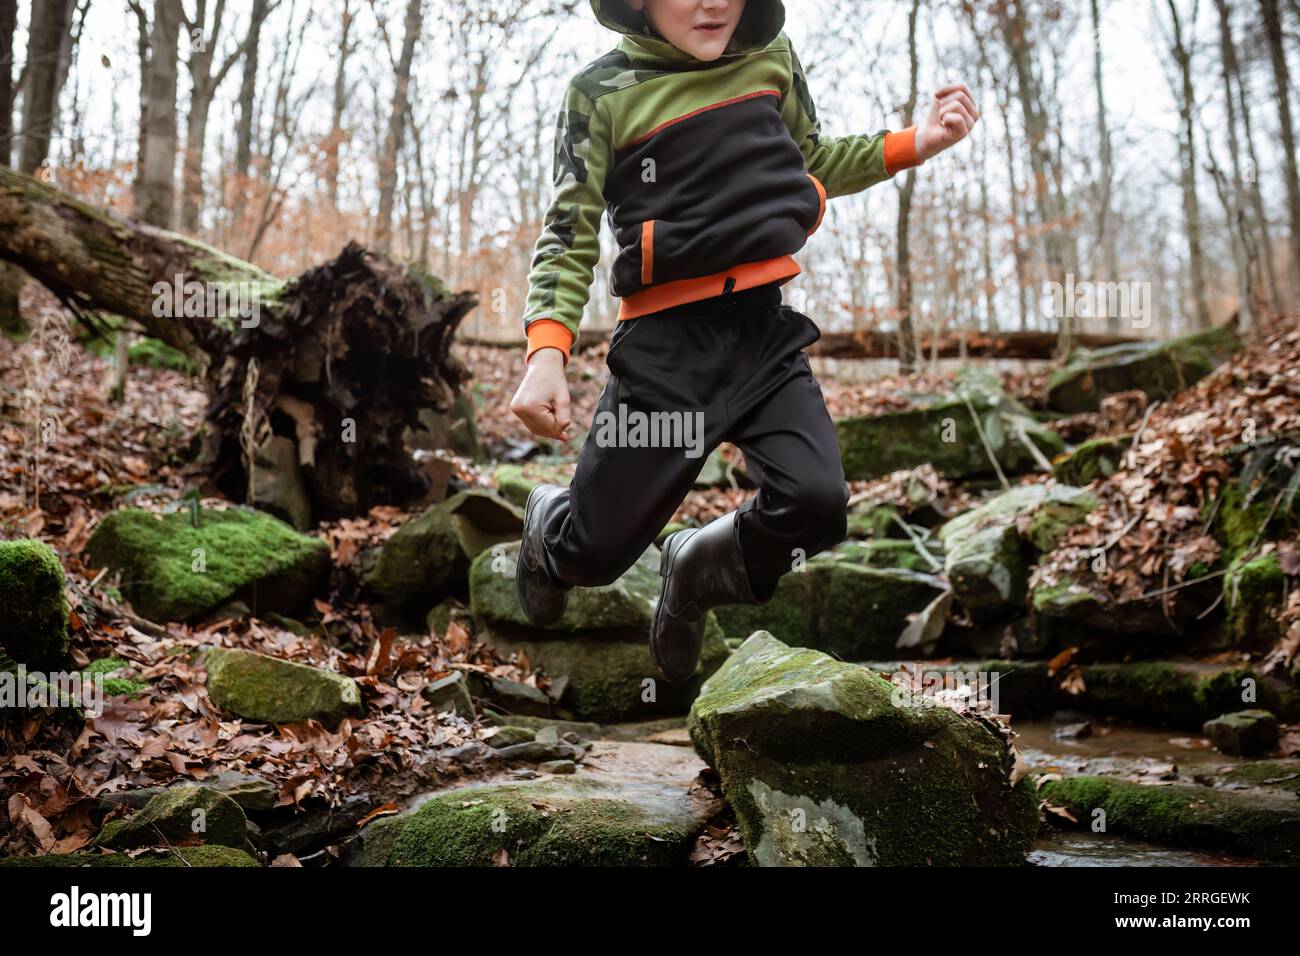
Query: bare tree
point(48, 41)
point(1105, 227)
point(1181, 49)
point(396, 126)
point(156, 177)
point(203, 87)
point(248, 88)
point(1281, 80)
point(341, 89)
point(907, 341)
point(8, 27)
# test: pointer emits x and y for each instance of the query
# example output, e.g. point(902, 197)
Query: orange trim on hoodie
point(900, 150)
point(821, 211)
point(548, 333)
point(665, 295)
point(647, 252)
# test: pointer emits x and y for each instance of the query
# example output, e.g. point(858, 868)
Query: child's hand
point(542, 401)
point(952, 116)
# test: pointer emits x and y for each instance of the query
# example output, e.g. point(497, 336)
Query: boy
point(699, 135)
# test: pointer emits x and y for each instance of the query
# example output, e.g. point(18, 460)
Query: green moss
point(822, 768)
point(1160, 369)
point(177, 856)
point(173, 571)
point(1282, 774)
point(172, 816)
point(157, 354)
point(1095, 459)
point(1248, 822)
point(1252, 591)
point(33, 609)
point(575, 822)
point(274, 691)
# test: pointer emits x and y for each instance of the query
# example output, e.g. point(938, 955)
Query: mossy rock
point(181, 856)
point(267, 689)
point(890, 553)
point(1069, 612)
point(1252, 593)
point(838, 605)
point(1250, 822)
point(1279, 774)
point(1093, 460)
point(426, 559)
point(178, 815)
point(823, 769)
point(515, 482)
point(1246, 733)
point(610, 675)
point(33, 609)
point(575, 821)
point(945, 435)
point(626, 603)
point(1160, 369)
point(874, 522)
point(985, 557)
point(174, 571)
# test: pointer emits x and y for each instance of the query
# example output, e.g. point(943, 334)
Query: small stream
point(1118, 749)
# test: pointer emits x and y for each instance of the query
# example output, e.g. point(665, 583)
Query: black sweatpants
point(733, 363)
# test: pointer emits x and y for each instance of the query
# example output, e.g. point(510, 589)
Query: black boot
point(701, 569)
point(541, 594)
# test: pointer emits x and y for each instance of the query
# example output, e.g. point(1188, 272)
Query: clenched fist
point(542, 400)
point(952, 116)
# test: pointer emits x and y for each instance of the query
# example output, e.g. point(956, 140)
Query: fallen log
point(339, 360)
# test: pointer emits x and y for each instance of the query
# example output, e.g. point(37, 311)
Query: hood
point(760, 24)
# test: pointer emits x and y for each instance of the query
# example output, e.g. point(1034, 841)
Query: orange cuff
point(900, 150)
point(548, 333)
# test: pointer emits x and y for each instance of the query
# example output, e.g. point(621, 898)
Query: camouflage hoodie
point(709, 170)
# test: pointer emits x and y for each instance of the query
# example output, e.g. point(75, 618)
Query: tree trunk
point(396, 128)
point(157, 170)
point(1282, 81)
point(8, 27)
point(51, 23)
point(1182, 55)
point(335, 141)
point(907, 357)
point(339, 360)
point(1105, 227)
point(1237, 201)
point(247, 88)
point(1050, 206)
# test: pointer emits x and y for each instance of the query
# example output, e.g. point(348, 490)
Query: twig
point(988, 449)
point(916, 542)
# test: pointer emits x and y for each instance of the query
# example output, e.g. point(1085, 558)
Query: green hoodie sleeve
point(843, 164)
point(566, 253)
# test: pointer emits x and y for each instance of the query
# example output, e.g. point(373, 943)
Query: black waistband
point(728, 303)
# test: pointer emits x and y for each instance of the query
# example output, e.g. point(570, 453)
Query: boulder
point(251, 792)
point(838, 604)
point(987, 550)
point(1091, 461)
point(514, 482)
point(824, 768)
point(425, 560)
point(278, 484)
point(33, 609)
point(1253, 591)
point(509, 696)
point(1246, 733)
point(1160, 369)
point(182, 814)
point(450, 693)
point(940, 430)
point(642, 809)
point(174, 568)
point(273, 691)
